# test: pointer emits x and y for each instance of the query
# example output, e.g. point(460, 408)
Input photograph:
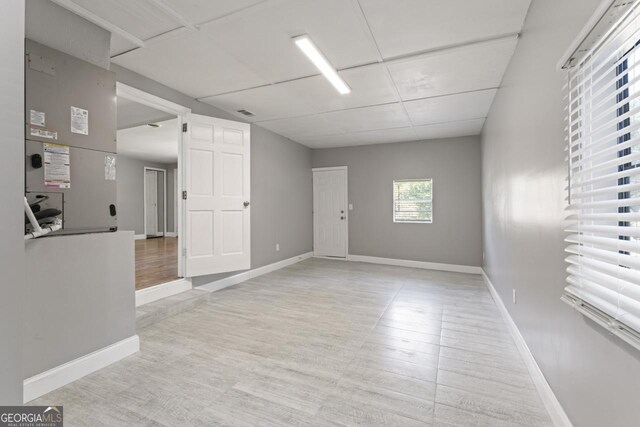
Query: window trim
point(393, 201)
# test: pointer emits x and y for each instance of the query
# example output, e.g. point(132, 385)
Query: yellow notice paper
point(57, 166)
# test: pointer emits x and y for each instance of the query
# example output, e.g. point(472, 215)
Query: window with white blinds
point(413, 200)
point(604, 180)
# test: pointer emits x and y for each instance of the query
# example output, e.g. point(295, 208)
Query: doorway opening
point(149, 177)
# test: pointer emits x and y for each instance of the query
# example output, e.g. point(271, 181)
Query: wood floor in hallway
point(156, 261)
point(320, 343)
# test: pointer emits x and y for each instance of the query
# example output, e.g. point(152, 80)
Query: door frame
point(132, 94)
point(164, 199)
point(176, 203)
point(346, 204)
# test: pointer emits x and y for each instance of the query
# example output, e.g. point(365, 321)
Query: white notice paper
point(79, 121)
point(43, 133)
point(36, 118)
point(110, 167)
point(57, 166)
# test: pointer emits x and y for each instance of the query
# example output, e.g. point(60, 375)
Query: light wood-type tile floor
point(156, 261)
point(320, 343)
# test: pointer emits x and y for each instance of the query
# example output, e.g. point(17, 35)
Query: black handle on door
point(246, 204)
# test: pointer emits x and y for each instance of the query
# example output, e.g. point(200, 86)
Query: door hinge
point(184, 127)
point(184, 195)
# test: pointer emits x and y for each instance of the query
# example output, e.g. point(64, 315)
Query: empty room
point(320, 213)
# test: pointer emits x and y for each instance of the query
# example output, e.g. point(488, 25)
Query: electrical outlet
point(277, 247)
point(514, 297)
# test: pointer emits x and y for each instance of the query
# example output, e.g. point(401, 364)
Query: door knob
point(342, 217)
point(246, 204)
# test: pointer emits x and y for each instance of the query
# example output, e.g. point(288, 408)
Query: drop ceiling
point(132, 114)
point(154, 144)
point(418, 69)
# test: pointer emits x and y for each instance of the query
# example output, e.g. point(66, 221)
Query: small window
point(413, 200)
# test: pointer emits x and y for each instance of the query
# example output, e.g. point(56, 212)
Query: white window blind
point(413, 200)
point(603, 135)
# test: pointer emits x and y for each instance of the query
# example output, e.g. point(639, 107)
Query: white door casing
point(330, 229)
point(218, 213)
point(151, 202)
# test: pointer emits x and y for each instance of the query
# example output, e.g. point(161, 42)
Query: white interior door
point(151, 202)
point(218, 214)
point(330, 212)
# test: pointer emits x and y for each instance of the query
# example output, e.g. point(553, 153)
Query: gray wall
point(79, 290)
point(11, 208)
point(130, 195)
point(595, 376)
point(453, 164)
point(79, 297)
point(53, 26)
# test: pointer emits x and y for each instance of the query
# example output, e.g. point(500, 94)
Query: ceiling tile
point(410, 26)
point(369, 118)
point(370, 86)
point(263, 39)
point(141, 18)
point(295, 127)
point(454, 70)
point(450, 130)
point(464, 106)
point(255, 47)
point(192, 63)
point(201, 11)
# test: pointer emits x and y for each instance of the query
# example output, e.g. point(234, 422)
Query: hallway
point(321, 343)
point(156, 261)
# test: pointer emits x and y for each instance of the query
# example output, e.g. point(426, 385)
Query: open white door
point(218, 215)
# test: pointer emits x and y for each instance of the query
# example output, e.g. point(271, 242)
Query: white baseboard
point(170, 234)
point(416, 264)
point(54, 378)
point(551, 403)
point(154, 293)
point(250, 274)
point(140, 237)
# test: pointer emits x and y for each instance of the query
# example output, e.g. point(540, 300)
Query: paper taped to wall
point(37, 118)
point(43, 133)
point(57, 166)
point(110, 167)
point(79, 121)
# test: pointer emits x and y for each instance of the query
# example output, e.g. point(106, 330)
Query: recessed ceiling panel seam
point(384, 63)
point(374, 105)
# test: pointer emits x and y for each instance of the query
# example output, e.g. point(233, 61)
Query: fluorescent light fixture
point(306, 45)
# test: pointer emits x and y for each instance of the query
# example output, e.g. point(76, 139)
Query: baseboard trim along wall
point(140, 237)
point(54, 378)
point(154, 293)
point(551, 403)
point(171, 234)
point(416, 264)
point(250, 274)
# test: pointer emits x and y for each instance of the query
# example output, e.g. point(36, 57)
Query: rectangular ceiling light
point(309, 48)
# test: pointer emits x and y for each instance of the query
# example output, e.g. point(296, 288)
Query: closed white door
point(151, 202)
point(330, 212)
point(218, 211)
